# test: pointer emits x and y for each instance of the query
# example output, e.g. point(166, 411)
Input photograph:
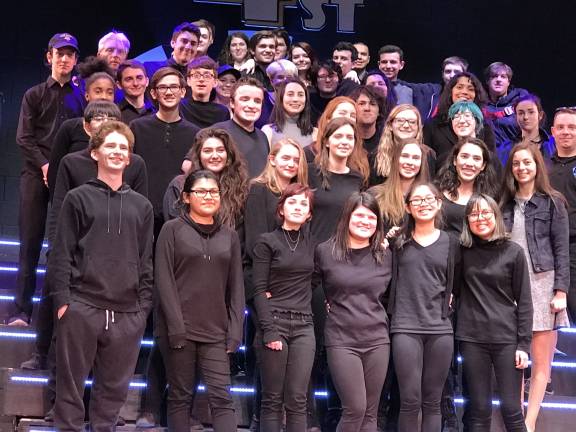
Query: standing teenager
point(494, 326)
point(355, 270)
point(285, 343)
point(537, 218)
point(103, 225)
point(200, 307)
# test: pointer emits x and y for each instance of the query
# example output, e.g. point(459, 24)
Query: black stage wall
point(536, 38)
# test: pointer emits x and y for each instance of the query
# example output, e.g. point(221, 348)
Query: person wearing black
point(132, 80)
point(370, 117)
point(44, 108)
point(163, 139)
point(262, 46)
point(198, 108)
point(200, 307)
point(246, 104)
point(355, 270)
point(494, 326)
point(282, 273)
point(100, 273)
point(421, 290)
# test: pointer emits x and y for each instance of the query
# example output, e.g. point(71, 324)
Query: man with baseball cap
point(44, 108)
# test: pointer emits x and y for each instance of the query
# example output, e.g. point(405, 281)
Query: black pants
point(31, 224)
point(572, 290)
point(108, 344)
point(358, 375)
point(422, 362)
point(211, 360)
point(478, 360)
point(286, 373)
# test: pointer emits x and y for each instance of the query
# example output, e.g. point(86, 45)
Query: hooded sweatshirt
point(102, 255)
point(199, 283)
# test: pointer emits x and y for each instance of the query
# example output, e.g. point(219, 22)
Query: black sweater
point(562, 178)
point(203, 114)
point(285, 274)
point(198, 278)
point(495, 303)
point(163, 147)
point(354, 290)
point(102, 255)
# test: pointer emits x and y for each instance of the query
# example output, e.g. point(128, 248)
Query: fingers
point(276, 345)
point(521, 360)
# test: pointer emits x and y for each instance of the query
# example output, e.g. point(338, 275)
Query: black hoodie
point(199, 283)
point(102, 255)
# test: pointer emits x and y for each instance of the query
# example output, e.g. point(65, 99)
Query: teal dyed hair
point(463, 106)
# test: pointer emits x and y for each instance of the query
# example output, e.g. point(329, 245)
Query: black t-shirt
point(453, 215)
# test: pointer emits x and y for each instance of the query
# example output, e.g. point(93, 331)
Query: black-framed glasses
point(417, 202)
point(203, 193)
point(199, 75)
point(402, 121)
point(484, 214)
point(163, 89)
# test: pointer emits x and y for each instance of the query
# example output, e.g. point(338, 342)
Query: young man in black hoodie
point(100, 273)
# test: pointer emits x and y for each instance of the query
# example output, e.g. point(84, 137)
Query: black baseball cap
point(225, 68)
point(60, 40)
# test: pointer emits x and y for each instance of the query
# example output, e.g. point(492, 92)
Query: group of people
point(371, 228)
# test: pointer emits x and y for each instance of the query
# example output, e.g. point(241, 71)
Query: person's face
point(528, 116)
point(62, 60)
point(134, 82)
point(368, 110)
point(524, 167)
point(343, 59)
point(286, 162)
point(114, 153)
point(101, 89)
point(201, 202)
point(264, 51)
point(184, 47)
point(213, 155)
point(378, 83)
point(344, 109)
point(201, 81)
point(410, 161)
point(450, 70)
point(114, 53)
point(482, 221)
point(362, 224)
point(225, 84)
point(469, 162)
point(498, 83)
point(204, 42)
point(238, 49)
point(390, 64)
point(405, 125)
point(301, 59)
point(247, 104)
point(423, 204)
point(564, 132)
point(168, 92)
point(363, 56)
point(463, 90)
point(278, 78)
point(281, 49)
point(341, 142)
point(294, 99)
point(327, 81)
point(296, 210)
point(464, 124)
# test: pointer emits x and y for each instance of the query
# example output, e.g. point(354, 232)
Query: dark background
point(535, 38)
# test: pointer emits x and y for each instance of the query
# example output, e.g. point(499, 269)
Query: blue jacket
point(503, 117)
point(547, 148)
point(547, 236)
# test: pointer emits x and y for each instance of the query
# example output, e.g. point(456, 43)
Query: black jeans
point(286, 373)
point(211, 360)
point(358, 375)
point(572, 290)
point(422, 362)
point(478, 360)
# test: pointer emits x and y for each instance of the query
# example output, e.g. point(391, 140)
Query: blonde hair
point(116, 36)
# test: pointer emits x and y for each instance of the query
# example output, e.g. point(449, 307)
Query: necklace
point(292, 244)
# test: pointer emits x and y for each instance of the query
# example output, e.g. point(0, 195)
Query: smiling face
point(362, 225)
point(564, 132)
point(113, 52)
point(247, 105)
point(286, 162)
point(265, 51)
point(134, 82)
point(363, 56)
point(410, 161)
point(113, 156)
point(469, 162)
point(344, 109)
point(524, 167)
point(281, 48)
point(341, 142)
point(204, 198)
point(296, 211)
point(168, 92)
point(463, 90)
point(204, 42)
point(301, 59)
point(327, 81)
point(184, 47)
point(344, 60)
point(481, 220)
point(423, 204)
point(294, 99)
point(405, 124)
point(377, 82)
point(213, 155)
point(100, 89)
point(238, 49)
point(391, 65)
point(464, 125)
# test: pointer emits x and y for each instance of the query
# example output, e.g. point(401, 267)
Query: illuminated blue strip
point(11, 298)
point(555, 364)
point(16, 243)
point(552, 405)
point(15, 269)
point(30, 335)
point(569, 330)
point(44, 380)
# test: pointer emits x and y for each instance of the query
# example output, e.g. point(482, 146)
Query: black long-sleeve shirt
point(562, 178)
point(285, 274)
point(495, 303)
point(203, 114)
point(129, 112)
point(44, 108)
point(354, 290)
point(198, 278)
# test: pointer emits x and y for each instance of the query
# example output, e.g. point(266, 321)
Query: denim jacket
point(547, 235)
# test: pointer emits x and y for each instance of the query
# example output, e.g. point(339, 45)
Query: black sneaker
point(36, 362)
point(120, 421)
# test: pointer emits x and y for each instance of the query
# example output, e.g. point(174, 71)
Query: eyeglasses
point(484, 214)
point(103, 118)
point(466, 116)
point(198, 75)
point(328, 77)
point(162, 89)
point(398, 121)
point(417, 202)
point(203, 193)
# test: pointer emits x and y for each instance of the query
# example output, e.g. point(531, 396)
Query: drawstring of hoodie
point(109, 314)
point(119, 217)
point(108, 213)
